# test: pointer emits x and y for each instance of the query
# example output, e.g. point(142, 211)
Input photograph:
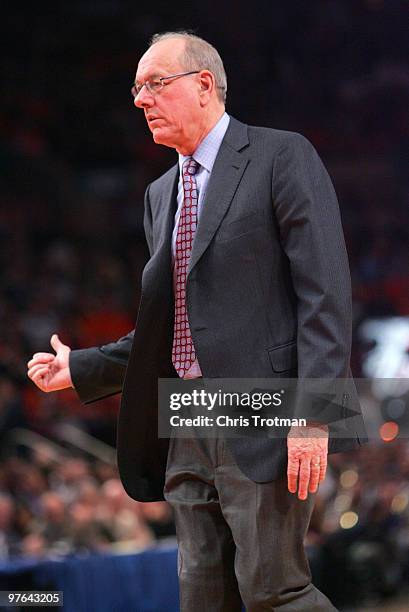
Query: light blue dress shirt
point(205, 155)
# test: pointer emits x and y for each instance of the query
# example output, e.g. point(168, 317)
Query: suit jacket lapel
point(226, 174)
point(166, 217)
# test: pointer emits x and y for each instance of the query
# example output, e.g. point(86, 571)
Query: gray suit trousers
point(239, 541)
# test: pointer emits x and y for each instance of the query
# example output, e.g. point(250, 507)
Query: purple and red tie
point(183, 351)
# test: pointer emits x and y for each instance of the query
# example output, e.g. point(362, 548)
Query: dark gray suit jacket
point(268, 295)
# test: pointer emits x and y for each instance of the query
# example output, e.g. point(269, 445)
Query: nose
point(144, 99)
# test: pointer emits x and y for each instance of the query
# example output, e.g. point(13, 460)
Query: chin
point(158, 138)
point(161, 137)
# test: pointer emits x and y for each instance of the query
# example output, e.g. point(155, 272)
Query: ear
point(207, 85)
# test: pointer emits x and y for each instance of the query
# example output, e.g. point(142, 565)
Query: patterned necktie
point(183, 351)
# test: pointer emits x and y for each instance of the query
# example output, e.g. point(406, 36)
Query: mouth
point(152, 118)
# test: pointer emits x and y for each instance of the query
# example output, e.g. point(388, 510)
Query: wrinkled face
point(174, 114)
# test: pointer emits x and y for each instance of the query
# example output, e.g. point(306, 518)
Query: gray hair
point(199, 55)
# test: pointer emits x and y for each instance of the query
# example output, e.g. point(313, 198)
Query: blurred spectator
point(53, 523)
point(8, 536)
point(60, 507)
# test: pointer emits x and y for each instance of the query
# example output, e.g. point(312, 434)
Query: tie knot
point(190, 166)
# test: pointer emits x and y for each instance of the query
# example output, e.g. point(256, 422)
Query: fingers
point(323, 468)
point(40, 373)
point(56, 343)
point(292, 473)
point(315, 468)
point(51, 372)
point(43, 367)
point(304, 480)
point(39, 379)
point(308, 471)
point(307, 459)
point(40, 358)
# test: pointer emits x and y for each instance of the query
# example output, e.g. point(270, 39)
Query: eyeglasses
point(154, 86)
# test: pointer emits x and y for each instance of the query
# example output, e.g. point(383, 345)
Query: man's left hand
point(307, 458)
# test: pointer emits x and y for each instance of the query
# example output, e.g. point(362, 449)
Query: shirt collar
point(208, 149)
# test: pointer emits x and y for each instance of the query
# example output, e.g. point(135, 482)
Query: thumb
point(56, 343)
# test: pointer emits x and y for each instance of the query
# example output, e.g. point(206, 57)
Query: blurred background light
point(348, 520)
point(348, 478)
point(388, 431)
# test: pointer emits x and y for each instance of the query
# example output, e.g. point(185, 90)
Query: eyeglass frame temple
point(165, 78)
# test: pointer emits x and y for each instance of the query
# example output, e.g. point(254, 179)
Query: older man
point(247, 277)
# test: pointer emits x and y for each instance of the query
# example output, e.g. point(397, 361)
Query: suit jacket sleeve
point(99, 372)
point(311, 234)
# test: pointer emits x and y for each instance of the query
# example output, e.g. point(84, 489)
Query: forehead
point(161, 58)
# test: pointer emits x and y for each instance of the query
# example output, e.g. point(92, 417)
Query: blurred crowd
point(76, 158)
point(56, 505)
point(53, 504)
point(359, 539)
